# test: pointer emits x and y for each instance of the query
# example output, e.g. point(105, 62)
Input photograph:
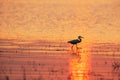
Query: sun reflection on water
point(79, 65)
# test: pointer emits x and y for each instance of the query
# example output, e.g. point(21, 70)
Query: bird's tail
point(68, 41)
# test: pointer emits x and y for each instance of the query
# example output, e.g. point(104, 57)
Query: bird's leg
point(77, 49)
point(72, 48)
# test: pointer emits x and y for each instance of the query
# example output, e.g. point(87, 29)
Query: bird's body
point(75, 41)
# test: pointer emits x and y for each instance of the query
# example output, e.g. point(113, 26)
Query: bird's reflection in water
point(79, 66)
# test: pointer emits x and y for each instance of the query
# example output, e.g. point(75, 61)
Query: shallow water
point(56, 63)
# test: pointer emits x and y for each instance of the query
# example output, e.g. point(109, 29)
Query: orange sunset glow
point(96, 20)
point(36, 35)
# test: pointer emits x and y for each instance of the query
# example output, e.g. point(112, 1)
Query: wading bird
point(75, 42)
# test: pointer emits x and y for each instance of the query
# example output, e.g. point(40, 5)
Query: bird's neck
point(79, 39)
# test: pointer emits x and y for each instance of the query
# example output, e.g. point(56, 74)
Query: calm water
point(55, 62)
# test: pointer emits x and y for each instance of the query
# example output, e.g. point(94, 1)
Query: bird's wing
point(75, 40)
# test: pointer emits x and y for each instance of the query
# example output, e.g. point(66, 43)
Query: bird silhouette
point(75, 42)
